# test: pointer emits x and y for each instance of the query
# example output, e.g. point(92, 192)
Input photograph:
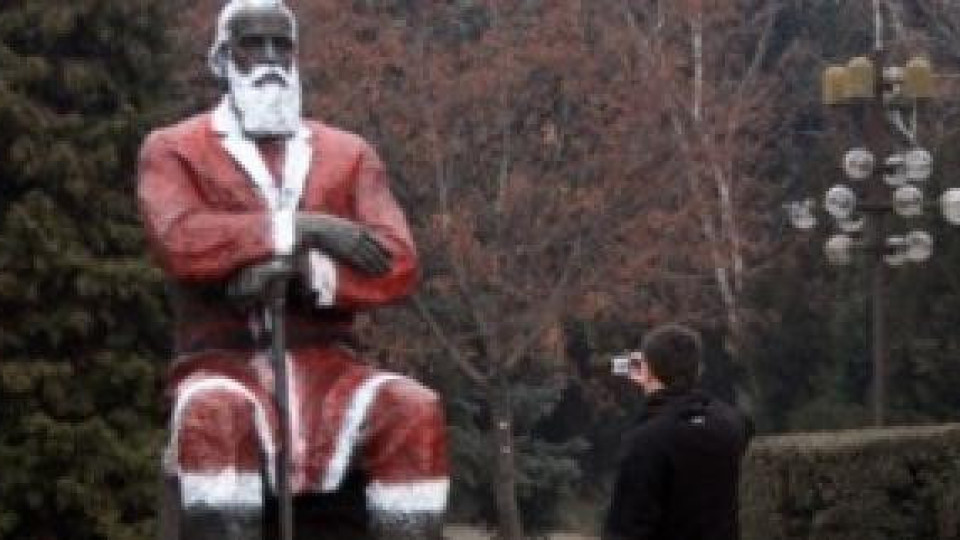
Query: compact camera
point(620, 364)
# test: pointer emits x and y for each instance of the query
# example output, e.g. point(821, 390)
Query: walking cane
point(276, 308)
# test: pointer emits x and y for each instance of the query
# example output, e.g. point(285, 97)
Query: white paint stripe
point(223, 120)
point(350, 430)
point(323, 278)
point(190, 390)
point(419, 496)
point(283, 232)
point(299, 450)
point(225, 488)
point(246, 154)
point(297, 160)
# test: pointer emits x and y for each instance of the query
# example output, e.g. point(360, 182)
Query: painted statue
point(231, 199)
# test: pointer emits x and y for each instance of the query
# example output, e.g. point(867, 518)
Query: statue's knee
point(215, 426)
point(215, 451)
point(408, 435)
point(410, 405)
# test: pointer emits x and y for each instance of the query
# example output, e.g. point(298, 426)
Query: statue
point(248, 195)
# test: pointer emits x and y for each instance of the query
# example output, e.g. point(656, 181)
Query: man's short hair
point(673, 353)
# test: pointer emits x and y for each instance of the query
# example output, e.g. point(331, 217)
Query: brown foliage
point(553, 153)
point(558, 160)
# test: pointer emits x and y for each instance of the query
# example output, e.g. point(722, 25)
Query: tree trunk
point(505, 468)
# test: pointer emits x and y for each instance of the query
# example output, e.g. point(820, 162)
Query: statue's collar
point(296, 165)
point(225, 122)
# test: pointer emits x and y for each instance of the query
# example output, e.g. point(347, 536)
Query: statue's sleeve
point(191, 238)
point(376, 209)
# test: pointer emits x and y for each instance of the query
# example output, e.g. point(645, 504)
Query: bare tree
point(570, 159)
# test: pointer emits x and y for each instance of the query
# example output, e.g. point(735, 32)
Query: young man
point(678, 479)
point(232, 200)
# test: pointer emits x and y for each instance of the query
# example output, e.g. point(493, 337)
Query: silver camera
point(620, 364)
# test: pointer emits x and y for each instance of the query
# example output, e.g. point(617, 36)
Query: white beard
point(265, 110)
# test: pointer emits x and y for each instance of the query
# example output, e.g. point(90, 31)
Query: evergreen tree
point(81, 319)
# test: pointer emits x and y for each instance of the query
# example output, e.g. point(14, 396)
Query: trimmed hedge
point(872, 484)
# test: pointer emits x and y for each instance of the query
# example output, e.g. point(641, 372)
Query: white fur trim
point(322, 277)
point(350, 430)
point(418, 496)
point(224, 121)
point(296, 167)
point(190, 390)
point(227, 488)
point(283, 231)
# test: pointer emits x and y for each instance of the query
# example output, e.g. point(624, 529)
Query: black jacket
point(679, 475)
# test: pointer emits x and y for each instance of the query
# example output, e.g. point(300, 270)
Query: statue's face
point(261, 73)
point(261, 38)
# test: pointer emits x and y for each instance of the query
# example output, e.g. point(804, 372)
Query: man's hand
point(343, 240)
point(254, 282)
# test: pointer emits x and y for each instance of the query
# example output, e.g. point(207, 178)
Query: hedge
point(873, 484)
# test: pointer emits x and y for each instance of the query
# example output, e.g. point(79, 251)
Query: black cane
point(276, 310)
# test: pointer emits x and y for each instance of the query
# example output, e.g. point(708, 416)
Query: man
point(233, 200)
point(678, 479)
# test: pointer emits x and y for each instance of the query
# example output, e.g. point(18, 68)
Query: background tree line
point(575, 172)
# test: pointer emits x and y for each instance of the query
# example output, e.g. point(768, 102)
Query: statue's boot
point(410, 526)
point(221, 524)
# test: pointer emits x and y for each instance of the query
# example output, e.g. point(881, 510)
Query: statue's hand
point(253, 283)
point(343, 240)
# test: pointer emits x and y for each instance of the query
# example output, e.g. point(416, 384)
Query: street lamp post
point(885, 175)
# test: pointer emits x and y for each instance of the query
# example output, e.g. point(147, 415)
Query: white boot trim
point(419, 496)
point(224, 489)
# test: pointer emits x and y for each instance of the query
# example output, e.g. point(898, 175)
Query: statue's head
point(254, 52)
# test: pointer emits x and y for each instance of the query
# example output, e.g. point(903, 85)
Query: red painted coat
point(205, 220)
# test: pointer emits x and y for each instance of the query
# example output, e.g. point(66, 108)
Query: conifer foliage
point(80, 315)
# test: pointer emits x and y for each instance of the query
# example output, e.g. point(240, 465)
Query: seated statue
point(233, 200)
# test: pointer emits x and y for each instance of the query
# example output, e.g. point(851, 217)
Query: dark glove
point(343, 240)
point(254, 282)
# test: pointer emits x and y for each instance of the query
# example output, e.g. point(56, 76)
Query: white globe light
point(919, 165)
point(895, 173)
point(950, 206)
point(908, 201)
point(840, 202)
point(838, 249)
point(858, 163)
point(919, 246)
point(801, 214)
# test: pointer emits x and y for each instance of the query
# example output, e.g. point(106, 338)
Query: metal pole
point(878, 25)
point(878, 332)
point(278, 356)
point(879, 139)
